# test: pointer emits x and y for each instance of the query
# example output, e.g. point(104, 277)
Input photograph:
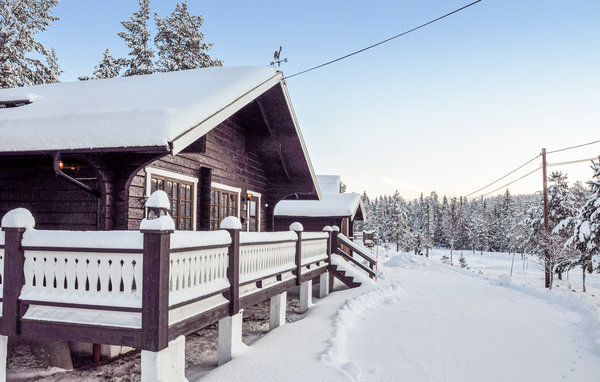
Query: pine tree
point(179, 41)
point(109, 67)
point(20, 63)
point(586, 232)
point(137, 38)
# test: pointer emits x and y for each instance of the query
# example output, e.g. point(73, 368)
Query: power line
point(571, 162)
point(572, 147)
point(510, 173)
point(516, 180)
point(384, 41)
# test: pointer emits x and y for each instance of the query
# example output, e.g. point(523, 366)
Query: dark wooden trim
point(360, 253)
point(138, 149)
point(14, 279)
point(312, 274)
point(189, 249)
point(109, 335)
point(298, 258)
point(233, 271)
point(198, 322)
point(267, 242)
point(267, 293)
point(155, 294)
point(352, 259)
point(83, 250)
point(274, 274)
point(200, 298)
point(26, 303)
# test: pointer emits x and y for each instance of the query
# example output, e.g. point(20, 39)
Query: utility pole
point(546, 225)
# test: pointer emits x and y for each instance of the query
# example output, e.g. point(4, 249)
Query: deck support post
point(277, 310)
point(324, 284)
point(3, 357)
point(167, 364)
point(233, 225)
point(305, 296)
point(230, 337)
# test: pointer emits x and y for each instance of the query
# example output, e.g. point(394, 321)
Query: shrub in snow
point(445, 259)
point(463, 262)
point(18, 218)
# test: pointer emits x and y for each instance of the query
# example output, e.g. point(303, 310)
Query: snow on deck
point(150, 110)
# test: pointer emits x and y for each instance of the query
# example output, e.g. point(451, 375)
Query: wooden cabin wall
point(310, 224)
point(227, 160)
point(54, 202)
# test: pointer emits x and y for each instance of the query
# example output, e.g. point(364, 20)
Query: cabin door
point(253, 214)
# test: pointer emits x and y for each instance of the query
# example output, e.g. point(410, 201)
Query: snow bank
point(336, 354)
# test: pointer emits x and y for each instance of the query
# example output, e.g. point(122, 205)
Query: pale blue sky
point(449, 108)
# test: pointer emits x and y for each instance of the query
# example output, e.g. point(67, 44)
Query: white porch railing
point(265, 254)
point(196, 271)
point(90, 268)
point(314, 247)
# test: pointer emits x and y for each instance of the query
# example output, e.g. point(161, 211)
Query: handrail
point(355, 248)
point(356, 262)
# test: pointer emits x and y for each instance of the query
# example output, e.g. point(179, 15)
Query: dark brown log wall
point(226, 158)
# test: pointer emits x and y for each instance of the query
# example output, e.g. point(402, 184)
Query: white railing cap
point(296, 226)
point(335, 228)
point(18, 218)
point(231, 222)
point(327, 228)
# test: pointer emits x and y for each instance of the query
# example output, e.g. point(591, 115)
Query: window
point(224, 201)
point(181, 191)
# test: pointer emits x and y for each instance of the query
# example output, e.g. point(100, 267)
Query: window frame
point(174, 176)
point(214, 186)
point(257, 195)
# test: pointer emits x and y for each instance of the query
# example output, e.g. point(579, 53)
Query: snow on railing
point(314, 246)
point(92, 268)
point(265, 254)
point(198, 264)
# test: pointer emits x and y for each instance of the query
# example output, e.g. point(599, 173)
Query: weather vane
point(277, 59)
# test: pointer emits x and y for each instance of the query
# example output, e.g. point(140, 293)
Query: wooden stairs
point(341, 275)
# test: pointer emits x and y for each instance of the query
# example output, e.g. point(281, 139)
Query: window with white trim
point(224, 201)
point(181, 190)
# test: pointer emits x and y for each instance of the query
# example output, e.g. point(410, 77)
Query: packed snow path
point(429, 322)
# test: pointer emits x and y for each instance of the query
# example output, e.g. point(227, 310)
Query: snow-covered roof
point(330, 184)
point(168, 110)
point(345, 204)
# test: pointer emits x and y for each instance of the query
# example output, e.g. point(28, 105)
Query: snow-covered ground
point(422, 321)
point(428, 321)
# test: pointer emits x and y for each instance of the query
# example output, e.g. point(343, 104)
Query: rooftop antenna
point(277, 58)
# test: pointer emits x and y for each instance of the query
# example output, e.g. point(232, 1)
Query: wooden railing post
point(329, 250)
point(298, 228)
point(14, 225)
point(155, 289)
point(335, 230)
point(233, 225)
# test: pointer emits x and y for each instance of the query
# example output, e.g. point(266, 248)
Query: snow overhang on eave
point(196, 132)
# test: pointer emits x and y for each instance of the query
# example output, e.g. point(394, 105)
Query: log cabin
point(220, 141)
point(334, 208)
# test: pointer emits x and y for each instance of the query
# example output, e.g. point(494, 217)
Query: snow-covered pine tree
point(109, 67)
point(20, 53)
point(586, 232)
point(137, 38)
point(180, 42)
